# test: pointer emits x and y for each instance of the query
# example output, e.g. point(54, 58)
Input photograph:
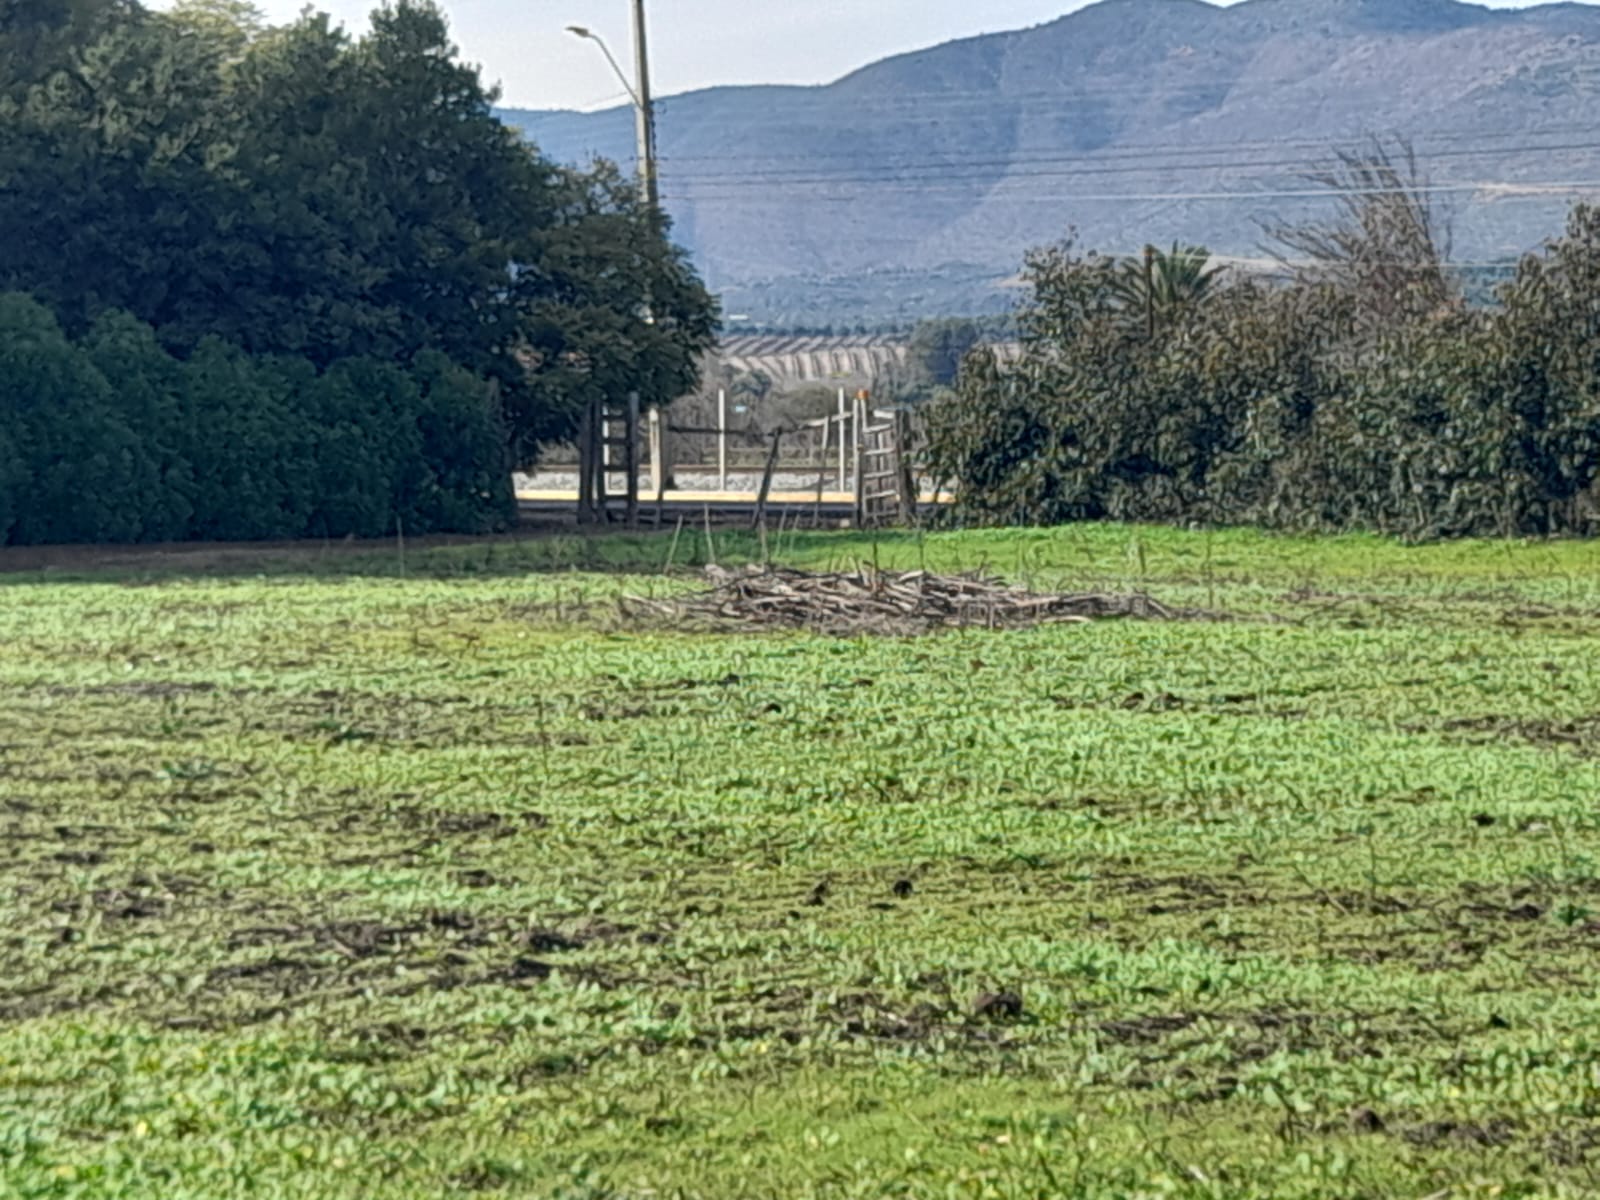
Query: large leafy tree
point(39, 38)
point(104, 192)
point(611, 307)
point(298, 191)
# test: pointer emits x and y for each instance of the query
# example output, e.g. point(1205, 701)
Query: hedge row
point(112, 439)
point(1292, 407)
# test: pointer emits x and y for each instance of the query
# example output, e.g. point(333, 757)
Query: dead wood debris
point(883, 602)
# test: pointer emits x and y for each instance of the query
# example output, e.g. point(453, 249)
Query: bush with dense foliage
point(331, 241)
point(1321, 403)
point(113, 439)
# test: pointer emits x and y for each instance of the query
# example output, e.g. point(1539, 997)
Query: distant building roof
point(786, 358)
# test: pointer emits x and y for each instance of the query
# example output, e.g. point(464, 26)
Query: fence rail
point(857, 457)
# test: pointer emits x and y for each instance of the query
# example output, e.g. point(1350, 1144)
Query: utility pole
point(638, 90)
point(645, 117)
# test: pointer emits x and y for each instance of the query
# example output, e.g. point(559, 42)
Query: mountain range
point(915, 185)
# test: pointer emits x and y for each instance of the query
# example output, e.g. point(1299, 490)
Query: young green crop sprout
point(476, 884)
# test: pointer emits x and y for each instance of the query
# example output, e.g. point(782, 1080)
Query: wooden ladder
point(608, 440)
point(885, 489)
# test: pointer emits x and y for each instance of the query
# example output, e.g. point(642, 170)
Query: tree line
point(349, 297)
point(1356, 390)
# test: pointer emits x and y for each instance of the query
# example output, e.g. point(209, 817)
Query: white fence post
point(722, 439)
point(658, 471)
point(861, 461)
point(841, 439)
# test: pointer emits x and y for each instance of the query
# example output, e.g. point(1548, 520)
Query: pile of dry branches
point(880, 602)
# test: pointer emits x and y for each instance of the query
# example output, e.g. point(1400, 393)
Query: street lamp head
point(588, 34)
point(640, 96)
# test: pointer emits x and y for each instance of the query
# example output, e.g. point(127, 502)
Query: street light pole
point(643, 106)
point(645, 115)
point(594, 472)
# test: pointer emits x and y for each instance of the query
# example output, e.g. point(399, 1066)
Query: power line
point(1515, 190)
point(1323, 145)
point(1323, 148)
point(897, 112)
point(1036, 177)
point(1173, 156)
point(1235, 262)
point(945, 171)
point(1076, 94)
point(1093, 167)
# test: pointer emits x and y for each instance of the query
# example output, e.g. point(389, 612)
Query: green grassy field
point(341, 875)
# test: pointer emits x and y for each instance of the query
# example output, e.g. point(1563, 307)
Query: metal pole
point(653, 444)
point(646, 116)
point(822, 455)
point(860, 462)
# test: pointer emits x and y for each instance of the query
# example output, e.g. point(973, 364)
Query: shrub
point(114, 439)
point(77, 471)
point(1291, 406)
point(148, 387)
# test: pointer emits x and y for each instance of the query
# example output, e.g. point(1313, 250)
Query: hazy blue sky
point(697, 43)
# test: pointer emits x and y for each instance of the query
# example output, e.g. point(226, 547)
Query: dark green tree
point(295, 191)
point(149, 386)
point(71, 470)
point(252, 443)
point(466, 448)
point(613, 308)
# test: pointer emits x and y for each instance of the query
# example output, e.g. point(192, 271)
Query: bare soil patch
point(228, 556)
point(1578, 734)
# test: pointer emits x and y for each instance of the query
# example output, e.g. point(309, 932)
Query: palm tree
point(1161, 285)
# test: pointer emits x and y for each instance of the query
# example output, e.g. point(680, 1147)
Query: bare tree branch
point(1388, 246)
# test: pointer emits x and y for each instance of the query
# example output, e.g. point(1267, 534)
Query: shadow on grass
point(530, 550)
point(1091, 556)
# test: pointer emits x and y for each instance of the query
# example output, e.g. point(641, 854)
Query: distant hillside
point(918, 182)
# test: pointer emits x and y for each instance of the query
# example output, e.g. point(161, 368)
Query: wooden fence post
point(906, 474)
point(593, 484)
point(585, 463)
point(766, 481)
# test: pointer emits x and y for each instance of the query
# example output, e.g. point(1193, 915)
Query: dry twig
point(882, 602)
